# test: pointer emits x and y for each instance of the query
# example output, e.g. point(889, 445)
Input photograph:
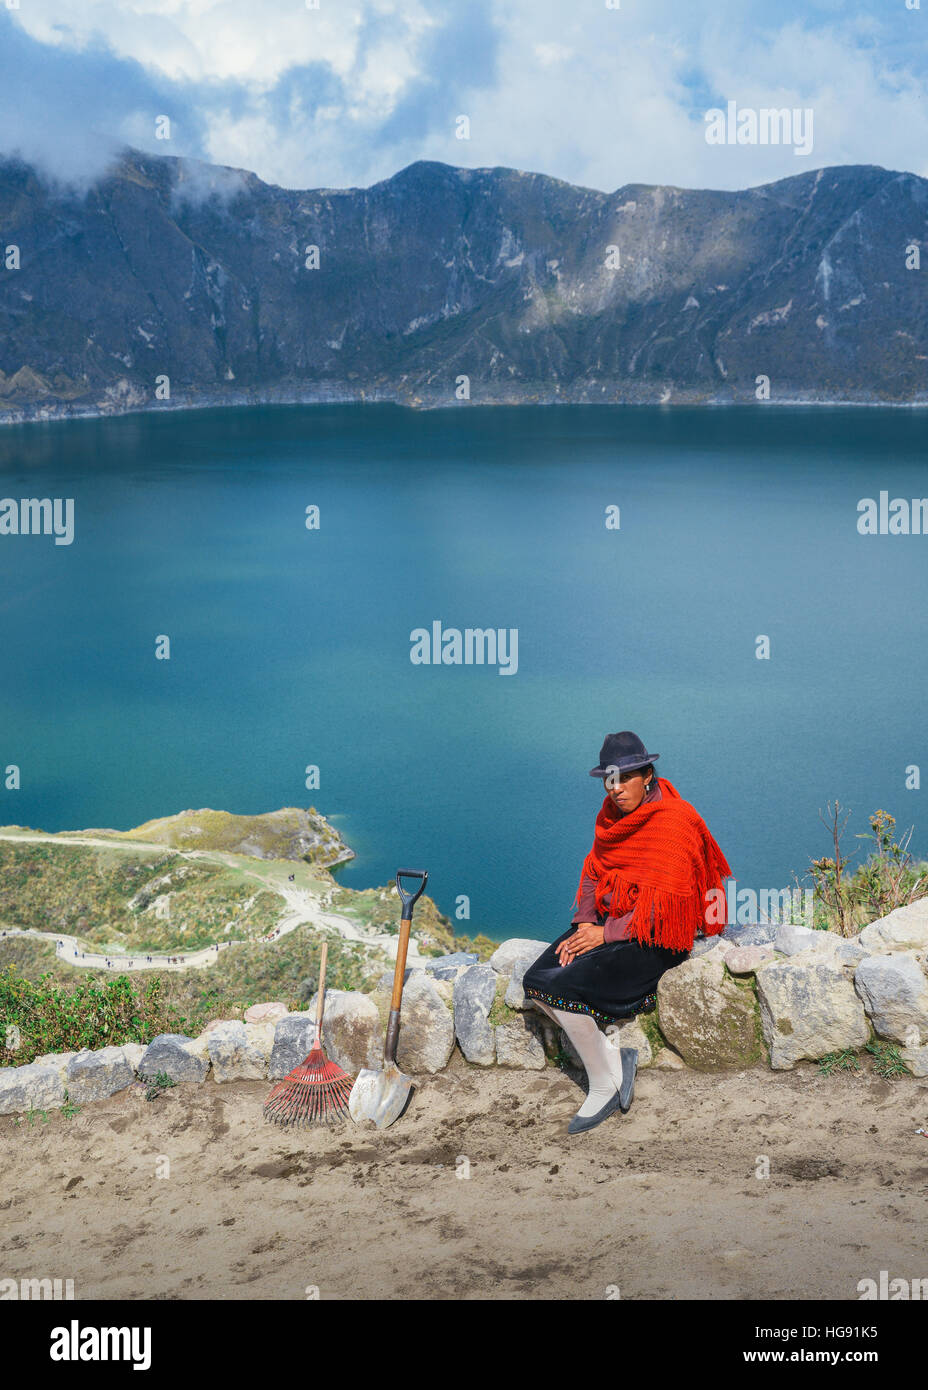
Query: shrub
point(888, 879)
point(47, 1017)
point(886, 1059)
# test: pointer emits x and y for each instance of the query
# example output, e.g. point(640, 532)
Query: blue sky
point(348, 93)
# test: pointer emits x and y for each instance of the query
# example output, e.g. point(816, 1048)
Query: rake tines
point(316, 1092)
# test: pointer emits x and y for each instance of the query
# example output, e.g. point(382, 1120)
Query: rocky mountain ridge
point(169, 274)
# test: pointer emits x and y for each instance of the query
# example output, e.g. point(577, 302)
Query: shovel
point(382, 1096)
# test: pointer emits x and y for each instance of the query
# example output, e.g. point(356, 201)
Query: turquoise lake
point(291, 647)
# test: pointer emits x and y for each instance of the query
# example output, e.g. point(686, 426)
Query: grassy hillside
point(290, 833)
point(380, 907)
point(130, 897)
point(127, 895)
point(59, 1008)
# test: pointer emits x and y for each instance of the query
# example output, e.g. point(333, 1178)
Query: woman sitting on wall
point(642, 898)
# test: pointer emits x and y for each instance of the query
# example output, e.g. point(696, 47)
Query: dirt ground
point(661, 1203)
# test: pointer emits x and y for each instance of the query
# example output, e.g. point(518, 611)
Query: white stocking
point(602, 1061)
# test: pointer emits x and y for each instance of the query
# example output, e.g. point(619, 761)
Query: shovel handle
point(409, 901)
point(320, 998)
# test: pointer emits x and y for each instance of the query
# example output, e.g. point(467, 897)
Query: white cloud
point(254, 42)
point(599, 97)
point(548, 54)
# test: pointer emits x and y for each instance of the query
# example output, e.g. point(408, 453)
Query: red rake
point(316, 1092)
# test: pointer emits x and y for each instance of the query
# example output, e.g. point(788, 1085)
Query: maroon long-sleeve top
point(615, 928)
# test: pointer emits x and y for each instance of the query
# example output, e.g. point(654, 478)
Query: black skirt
point(614, 981)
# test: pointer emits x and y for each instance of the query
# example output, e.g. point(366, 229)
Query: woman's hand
point(586, 937)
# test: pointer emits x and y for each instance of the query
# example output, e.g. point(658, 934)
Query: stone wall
point(756, 995)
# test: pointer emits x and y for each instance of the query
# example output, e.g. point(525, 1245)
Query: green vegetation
point(889, 878)
point(33, 1116)
point(290, 833)
point(500, 1011)
point(126, 898)
point(481, 945)
point(289, 969)
point(69, 1109)
point(227, 906)
point(650, 1028)
point(49, 1017)
point(31, 958)
point(105, 897)
point(886, 1059)
point(380, 908)
point(560, 1058)
point(157, 1084)
point(59, 1009)
point(70, 888)
point(845, 1060)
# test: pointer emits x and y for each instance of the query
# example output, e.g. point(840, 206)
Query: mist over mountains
point(531, 288)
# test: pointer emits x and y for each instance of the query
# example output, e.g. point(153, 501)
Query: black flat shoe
point(579, 1123)
point(629, 1057)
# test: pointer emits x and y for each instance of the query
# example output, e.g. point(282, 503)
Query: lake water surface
point(291, 647)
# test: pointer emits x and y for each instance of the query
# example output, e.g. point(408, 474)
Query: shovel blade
point(379, 1095)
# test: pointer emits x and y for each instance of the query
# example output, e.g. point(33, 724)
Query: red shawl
point(658, 860)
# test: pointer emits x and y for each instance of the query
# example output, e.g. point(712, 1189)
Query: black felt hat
point(622, 752)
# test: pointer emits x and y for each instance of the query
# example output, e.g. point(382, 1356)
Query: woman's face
point(626, 789)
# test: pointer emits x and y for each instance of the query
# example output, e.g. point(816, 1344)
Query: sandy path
point(69, 949)
point(662, 1203)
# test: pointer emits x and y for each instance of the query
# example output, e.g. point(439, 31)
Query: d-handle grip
point(409, 897)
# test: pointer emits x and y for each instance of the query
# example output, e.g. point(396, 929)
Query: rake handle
point(320, 998)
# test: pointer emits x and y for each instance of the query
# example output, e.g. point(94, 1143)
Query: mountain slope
point(171, 267)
